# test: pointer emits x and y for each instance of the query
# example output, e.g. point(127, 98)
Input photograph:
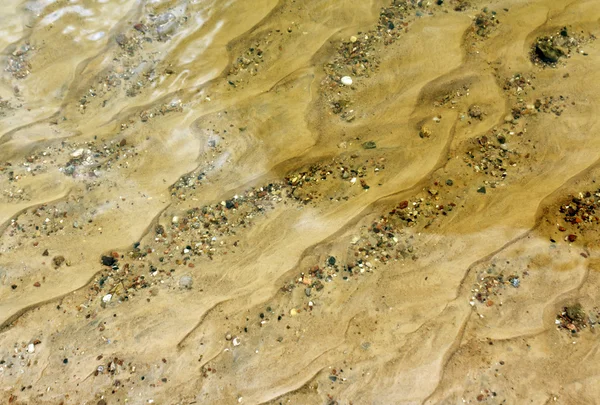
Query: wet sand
point(325, 202)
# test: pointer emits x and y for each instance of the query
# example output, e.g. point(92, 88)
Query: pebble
point(237, 341)
point(353, 39)
point(186, 282)
point(30, 348)
point(108, 260)
point(77, 153)
point(175, 219)
point(107, 298)
point(369, 145)
point(347, 81)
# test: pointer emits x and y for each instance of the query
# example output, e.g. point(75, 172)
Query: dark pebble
point(481, 190)
point(108, 260)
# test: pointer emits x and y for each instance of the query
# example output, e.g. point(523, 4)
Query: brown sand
point(194, 209)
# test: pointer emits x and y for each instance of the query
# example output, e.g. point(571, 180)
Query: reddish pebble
point(403, 205)
point(37, 284)
point(562, 228)
point(572, 238)
point(191, 265)
point(115, 255)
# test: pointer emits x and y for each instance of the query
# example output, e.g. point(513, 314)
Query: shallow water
point(196, 209)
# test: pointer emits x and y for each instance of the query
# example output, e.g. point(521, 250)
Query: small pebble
point(186, 282)
point(347, 81)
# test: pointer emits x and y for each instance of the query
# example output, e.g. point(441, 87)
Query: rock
point(30, 348)
point(186, 282)
point(108, 260)
point(547, 52)
point(369, 145)
point(476, 112)
point(175, 219)
point(481, 190)
point(77, 153)
point(236, 341)
point(449, 182)
point(106, 299)
point(425, 132)
point(576, 313)
point(58, 261)
point(353, 39)
point(347, 81)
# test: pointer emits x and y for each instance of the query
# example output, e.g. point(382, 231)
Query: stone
point(77, 153)
point(108, 260)
point(369, 145)
point(186, 282)
point(347, 81)
point(547, 52)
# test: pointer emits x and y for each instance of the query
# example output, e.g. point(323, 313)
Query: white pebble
point(237, 341)
point(175, 219)
point(30, 348)
point(77, 153)
point(347, 80)
point(107, 298)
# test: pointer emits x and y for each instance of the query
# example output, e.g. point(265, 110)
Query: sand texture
point(299, 202)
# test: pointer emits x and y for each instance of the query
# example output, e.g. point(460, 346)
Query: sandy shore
point(318, 202)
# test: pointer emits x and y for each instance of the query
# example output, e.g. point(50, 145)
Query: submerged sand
point(196, 209)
